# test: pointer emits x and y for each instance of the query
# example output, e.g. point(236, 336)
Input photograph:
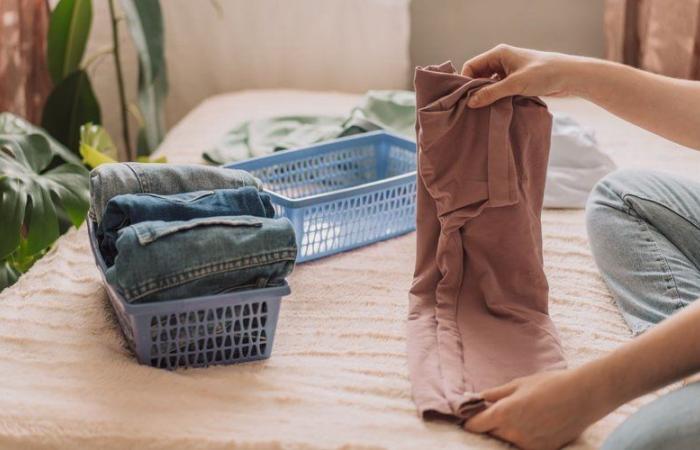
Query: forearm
point(666, 353)
point(666, 106)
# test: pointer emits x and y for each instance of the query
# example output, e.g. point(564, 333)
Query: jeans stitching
point(238, 263)
point(179, 282)
point(666, 267)
point(204, 271)
point(138, 179)
point(147, 235)
point(173, 199)
point(663, 205)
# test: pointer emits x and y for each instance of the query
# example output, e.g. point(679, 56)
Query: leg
point(671, 422)
point(644, 230)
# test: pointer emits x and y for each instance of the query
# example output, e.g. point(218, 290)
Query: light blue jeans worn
point(644, 231)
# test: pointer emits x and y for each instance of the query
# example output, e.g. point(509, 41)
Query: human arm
point(666, 106)
point(548, 410)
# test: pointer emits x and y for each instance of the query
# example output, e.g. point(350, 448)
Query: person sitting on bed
point(644, 229)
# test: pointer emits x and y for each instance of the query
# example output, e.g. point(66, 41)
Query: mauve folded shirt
point(478, 313)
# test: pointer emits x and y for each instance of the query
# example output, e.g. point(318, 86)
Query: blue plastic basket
point(342, 194)
point(227, 328)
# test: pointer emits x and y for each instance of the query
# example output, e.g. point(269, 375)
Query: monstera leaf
point(8, 274)
point(12, 127)
point(33, 194)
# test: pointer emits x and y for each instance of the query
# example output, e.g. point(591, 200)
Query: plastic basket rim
point(177, 305)
point(337, 194)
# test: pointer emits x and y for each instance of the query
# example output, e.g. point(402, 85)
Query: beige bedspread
point(337, 377)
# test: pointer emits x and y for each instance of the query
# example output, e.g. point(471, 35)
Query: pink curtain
point(660, 36)
point(24, 77)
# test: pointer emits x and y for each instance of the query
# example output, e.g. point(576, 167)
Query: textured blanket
point(338, 376)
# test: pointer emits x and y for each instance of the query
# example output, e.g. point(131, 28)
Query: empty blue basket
point(344, 193)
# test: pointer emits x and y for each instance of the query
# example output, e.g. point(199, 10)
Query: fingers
point(494, 394)
point(487, 420)
point(493, 92)
point(483, 422)
point(487, 63)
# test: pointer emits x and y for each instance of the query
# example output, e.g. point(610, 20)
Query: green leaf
point(12, 205)
point(17, 263)
point(69, 28)
point(148, 159)
point(8, 274)
point(96, 146)
point(22, 260)
point(12, 127)
point(70, 104)
point(145, 21)
point(33, 194)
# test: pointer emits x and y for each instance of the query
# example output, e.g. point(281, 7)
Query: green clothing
point(393, 111)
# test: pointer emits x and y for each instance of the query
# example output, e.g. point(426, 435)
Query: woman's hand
point(521, 72)
point(550, 409)
point(541, 412)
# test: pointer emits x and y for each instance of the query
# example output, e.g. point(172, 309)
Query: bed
point(337, 377)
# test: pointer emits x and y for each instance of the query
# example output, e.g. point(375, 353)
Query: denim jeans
point(127, 209)
point(671, 422)
point(644, 231)
point(160, 260)
point(110, 180)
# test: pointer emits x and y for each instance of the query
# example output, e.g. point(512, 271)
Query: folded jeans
point(128, 209)
point(109, 180)
point(160, 260)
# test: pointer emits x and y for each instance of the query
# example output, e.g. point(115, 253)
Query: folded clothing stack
point(175, 231)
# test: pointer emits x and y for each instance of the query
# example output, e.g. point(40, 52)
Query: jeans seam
point(147, 236)
point(663, 205)
point(173, 199)
point(138, 179)
point(666, 267)
point(204, 271)
point(207, 268)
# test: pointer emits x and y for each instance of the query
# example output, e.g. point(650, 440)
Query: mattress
point(337, 377)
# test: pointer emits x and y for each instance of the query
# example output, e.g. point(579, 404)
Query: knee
point(606, 210)
point(623, 182)
point(607, 199)
point(611, 189)
point(604, 202)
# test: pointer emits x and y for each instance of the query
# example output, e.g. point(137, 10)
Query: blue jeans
point(644, 231)
point(158, 261)
point(671, 422)
point(127, 209)
point(110, 180)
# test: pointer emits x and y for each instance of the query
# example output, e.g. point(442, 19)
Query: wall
point(339, 45)
point(459, 29)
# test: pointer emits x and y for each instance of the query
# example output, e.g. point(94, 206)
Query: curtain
point(660, 36)
point(24, 77)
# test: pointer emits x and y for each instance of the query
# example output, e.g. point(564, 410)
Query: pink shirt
point(478, 304)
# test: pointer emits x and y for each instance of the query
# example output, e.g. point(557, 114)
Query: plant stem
point(120, 81)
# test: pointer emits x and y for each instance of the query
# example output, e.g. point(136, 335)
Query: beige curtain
point(24, 77)
point(661, 36)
